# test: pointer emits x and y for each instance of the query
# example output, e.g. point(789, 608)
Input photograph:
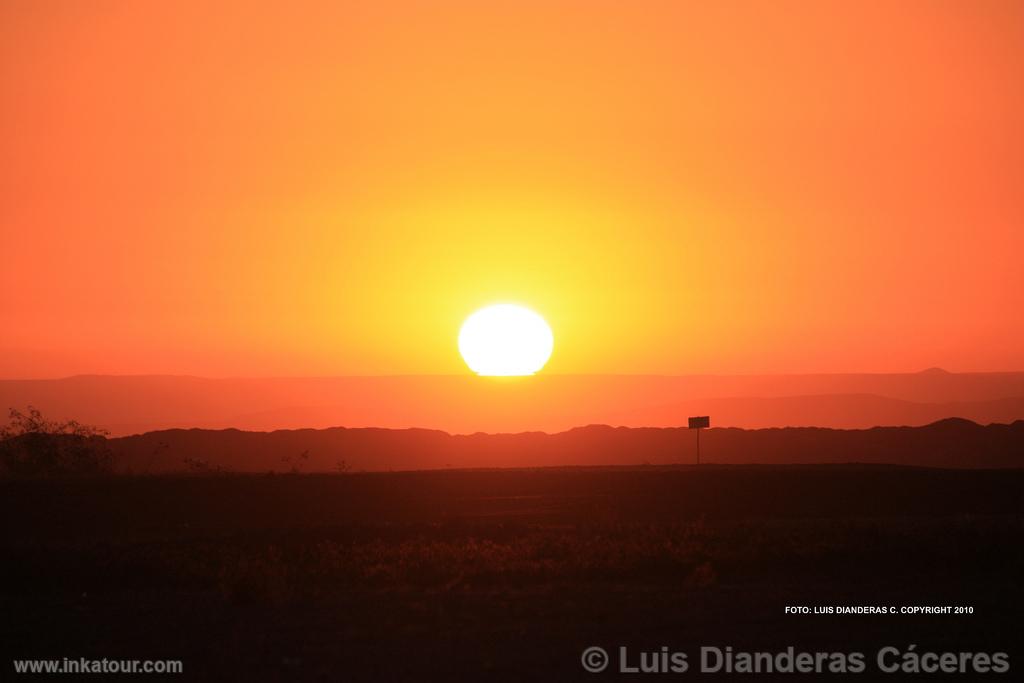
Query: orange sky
point(322, 188)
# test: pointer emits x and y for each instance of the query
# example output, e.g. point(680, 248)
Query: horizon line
point(593, 425)
point(470, 375)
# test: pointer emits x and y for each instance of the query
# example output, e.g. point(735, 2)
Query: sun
point(505, 340)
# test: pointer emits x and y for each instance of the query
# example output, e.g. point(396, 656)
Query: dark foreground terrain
point(506, 574)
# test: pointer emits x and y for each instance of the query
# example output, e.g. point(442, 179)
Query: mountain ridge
point(550, 403)
point(951, 443)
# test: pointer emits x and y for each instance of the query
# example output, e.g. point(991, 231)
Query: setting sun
point(505, 340)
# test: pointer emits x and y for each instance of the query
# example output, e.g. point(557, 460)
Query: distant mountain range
point(551, 403)
point(951, 443)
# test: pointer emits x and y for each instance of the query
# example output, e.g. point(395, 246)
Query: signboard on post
point(699, 422)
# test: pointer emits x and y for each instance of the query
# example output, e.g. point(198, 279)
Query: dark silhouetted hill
point(551, 403)
point(953, 443)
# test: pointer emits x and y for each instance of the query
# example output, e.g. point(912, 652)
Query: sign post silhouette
point(699, 422)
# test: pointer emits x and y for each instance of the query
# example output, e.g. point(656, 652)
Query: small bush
point(32, 446)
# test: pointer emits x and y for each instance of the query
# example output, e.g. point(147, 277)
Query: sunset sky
point(331, 188)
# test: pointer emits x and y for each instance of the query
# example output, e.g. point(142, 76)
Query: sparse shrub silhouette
point(32, 446)
point(297, 464)
point(202, 466)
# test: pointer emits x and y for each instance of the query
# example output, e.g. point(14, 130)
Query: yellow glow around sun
point(505, 340)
